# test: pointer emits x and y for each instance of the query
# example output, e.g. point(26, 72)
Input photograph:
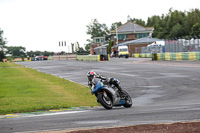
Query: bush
point(2, 55)
point(10, 58)
point(85, 53)
point(22, 56)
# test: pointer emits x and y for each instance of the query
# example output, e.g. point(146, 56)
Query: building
point(130, 31)
point(98, 41)
point(135, 46)
point(127, 32)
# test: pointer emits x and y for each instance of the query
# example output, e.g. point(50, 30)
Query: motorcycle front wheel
point(128, 99)
point(106, 102)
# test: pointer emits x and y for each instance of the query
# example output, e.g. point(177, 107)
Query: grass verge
point(25, 90)
point(8, 64)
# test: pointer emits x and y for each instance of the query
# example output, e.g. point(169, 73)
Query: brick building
point(130, 31)
point(131, 34)
point(98, 41)
point(134, 46)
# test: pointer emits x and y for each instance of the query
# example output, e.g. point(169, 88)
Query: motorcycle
point(109, 96)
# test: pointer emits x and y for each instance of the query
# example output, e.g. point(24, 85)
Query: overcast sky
point(41, 24)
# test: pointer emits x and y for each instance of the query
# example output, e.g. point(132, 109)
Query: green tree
point(109, 46)
point(166, 26)
point(22, 56)
point(16, 50)
point(114, 24)
point(174, 24)
point(95, 29)
point(2, 46)
point(138, 21)
point(72, 44)
point(152, 21)
point(46, 53)
point(177, 31)
point(192, 17)
point(30, 53)
point(87, 47)
point(81, 50)
point(195, 30)
point(38, 53)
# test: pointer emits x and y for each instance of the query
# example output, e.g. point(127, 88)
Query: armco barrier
point(177, 56)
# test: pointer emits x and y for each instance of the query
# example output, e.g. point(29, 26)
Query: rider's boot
point(120, 91)
point(119, 88)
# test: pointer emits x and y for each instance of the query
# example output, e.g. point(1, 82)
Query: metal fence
point(182, 45)
point(174, 46)
point(151, 49)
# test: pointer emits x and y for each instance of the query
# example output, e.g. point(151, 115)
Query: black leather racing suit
point(107, 81)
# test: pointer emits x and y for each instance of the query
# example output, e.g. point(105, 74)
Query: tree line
point(176, 24)
point(17, 51)
point(173, 25)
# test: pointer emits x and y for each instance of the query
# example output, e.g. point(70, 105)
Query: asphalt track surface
point(162, 92)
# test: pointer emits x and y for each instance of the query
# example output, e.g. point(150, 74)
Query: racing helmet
point(91, 75)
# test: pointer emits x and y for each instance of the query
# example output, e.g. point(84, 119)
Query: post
point(116, 34)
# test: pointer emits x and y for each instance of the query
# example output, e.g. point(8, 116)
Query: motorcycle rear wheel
point(106, 102)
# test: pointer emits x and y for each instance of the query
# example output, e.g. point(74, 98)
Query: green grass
point(8, 64)
point(25, 90)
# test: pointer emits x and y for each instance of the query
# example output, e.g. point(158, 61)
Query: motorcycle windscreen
point(95, 81)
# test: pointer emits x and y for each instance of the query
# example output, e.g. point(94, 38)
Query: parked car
point(39, 58)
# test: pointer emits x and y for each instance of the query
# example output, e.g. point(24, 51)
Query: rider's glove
point(98, 76)
point(92, 92)
point(92, 89)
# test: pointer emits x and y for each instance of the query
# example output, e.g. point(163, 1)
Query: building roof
point(103, 46)
point(91, 44)
point(145, 40)
point(99, 37)
point(132, 27)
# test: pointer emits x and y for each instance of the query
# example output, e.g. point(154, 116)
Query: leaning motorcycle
point(109, 96)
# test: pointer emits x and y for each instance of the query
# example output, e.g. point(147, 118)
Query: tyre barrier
point(195, 56)
point(142, 55)
point(93, 57)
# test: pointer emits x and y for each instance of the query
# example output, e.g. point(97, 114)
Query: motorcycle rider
point(91, 75)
